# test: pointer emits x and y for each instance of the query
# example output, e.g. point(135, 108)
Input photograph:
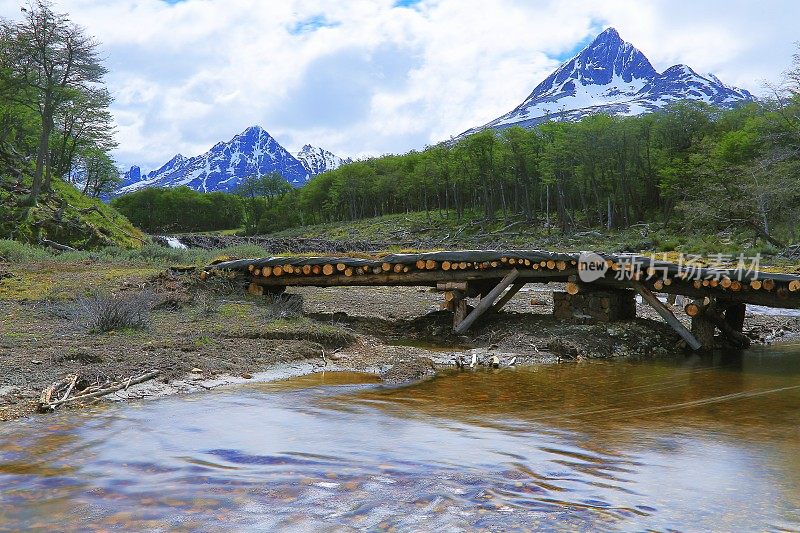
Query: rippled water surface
point(688, 444)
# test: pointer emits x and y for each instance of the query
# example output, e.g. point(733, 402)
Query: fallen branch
point(72, 383)
point(57, 246)
point(116, 387)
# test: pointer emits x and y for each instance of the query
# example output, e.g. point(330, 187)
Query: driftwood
point(57, 246)
point(47, 404)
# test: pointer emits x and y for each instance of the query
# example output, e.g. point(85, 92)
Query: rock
point(6, 390)
point(564, 349)
point(197, 371)
point(247, 376)
point(36, 362)
point(409, 370)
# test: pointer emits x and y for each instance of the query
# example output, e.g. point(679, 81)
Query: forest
point(691, 167)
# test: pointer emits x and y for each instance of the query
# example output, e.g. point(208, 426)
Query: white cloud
point(364, 77)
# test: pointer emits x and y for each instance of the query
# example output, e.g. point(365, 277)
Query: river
point(690, 443)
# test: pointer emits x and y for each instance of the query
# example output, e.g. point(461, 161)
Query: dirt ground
point(202, 339)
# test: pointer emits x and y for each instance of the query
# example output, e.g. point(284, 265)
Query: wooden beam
point(415, 278)
point(452, 286)
point(510, 293)
point(487, 301)
point(667, 315)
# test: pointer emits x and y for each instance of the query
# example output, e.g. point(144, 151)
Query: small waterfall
point(173, 242)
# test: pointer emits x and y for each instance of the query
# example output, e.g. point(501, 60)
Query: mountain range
point(254, 152)
point(608, 76)
point(612, 76)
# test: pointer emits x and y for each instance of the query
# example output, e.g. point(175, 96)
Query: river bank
point(201, 338)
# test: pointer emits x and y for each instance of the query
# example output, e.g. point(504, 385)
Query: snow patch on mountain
point(612, 76)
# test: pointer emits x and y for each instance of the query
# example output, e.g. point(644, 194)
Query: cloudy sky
point(365, 77)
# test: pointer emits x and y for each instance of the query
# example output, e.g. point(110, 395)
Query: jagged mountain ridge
point(254, 152)
point(318, 160)
point(612, 76)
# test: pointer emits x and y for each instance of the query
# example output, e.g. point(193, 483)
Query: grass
point(307, 329)
point(235, 310)
point(36, 273)
point(16, 252)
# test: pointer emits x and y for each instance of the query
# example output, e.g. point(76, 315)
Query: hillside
point(442, 230)
point(66, 217)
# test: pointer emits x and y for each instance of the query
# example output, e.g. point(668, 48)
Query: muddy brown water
point(690, 444)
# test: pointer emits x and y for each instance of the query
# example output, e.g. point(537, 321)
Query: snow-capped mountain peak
point(253, 152)
point(612, 76)
point(318, 160)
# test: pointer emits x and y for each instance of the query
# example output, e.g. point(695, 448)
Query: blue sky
point(365, 77)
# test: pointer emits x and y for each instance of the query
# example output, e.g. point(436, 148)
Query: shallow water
point(687, 444)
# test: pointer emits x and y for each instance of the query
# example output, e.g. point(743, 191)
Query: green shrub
point(18, 252)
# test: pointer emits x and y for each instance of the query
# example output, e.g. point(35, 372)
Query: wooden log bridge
point(486, 274)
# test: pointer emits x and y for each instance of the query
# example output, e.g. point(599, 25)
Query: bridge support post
point(734, 316)
point(454, 299)
point(703, 329)
point(727, 317)
point(606, 305)
point(667, 315)
point(510, 293)
point(487, 301)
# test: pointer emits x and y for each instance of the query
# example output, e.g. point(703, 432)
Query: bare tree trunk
point(43, 151)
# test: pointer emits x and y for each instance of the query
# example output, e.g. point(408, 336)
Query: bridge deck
point(483, 270)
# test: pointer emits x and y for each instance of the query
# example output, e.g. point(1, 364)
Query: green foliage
point(263, 196)
point(690, 165)
point(18, 252)
point(181, 209)
point(56, 128)
point(49, 65)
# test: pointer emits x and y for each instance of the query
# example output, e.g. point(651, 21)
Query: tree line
point(691, 166)
point(170, 210)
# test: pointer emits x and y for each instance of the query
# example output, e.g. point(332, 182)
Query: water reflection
point(686, 444)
